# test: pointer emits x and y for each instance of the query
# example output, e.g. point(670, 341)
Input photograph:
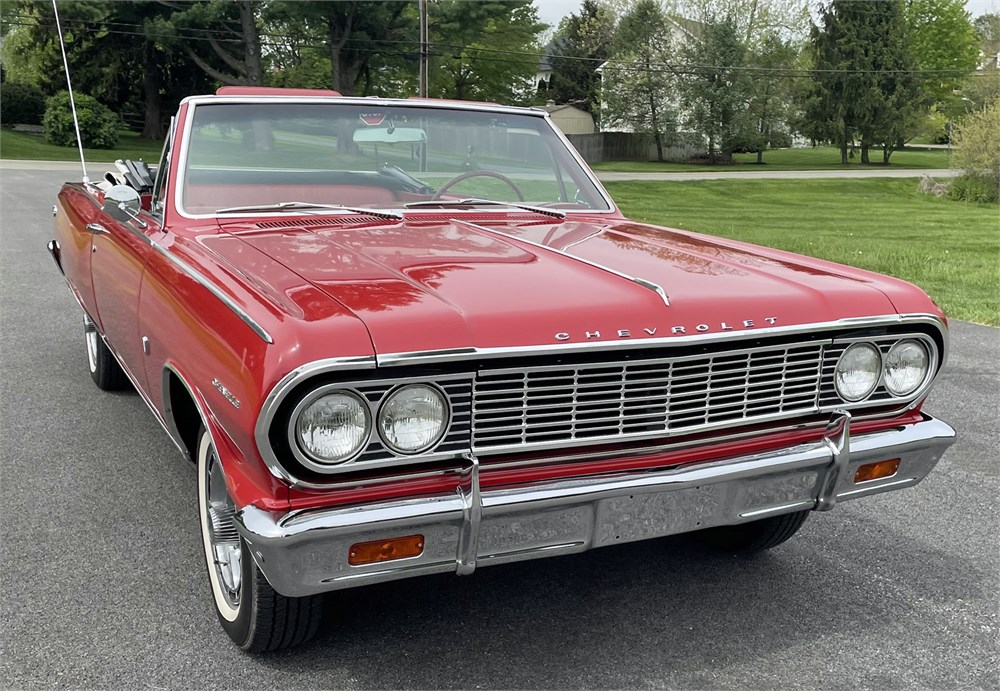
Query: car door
point(119, 254)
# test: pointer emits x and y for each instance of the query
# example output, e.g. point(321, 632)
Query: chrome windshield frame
point(192, 103)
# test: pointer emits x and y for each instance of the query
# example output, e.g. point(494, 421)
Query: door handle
point(97, 229)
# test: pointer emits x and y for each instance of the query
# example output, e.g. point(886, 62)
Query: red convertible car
point(405, 337)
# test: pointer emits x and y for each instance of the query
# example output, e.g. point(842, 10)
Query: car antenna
point(72, 102)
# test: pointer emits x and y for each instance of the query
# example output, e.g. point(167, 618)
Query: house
point(570, 119)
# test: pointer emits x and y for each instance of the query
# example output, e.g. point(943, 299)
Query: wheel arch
point(183, 412)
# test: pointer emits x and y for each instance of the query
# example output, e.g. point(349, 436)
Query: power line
point(525, 58)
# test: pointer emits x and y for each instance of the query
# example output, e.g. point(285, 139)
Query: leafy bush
point(978, 155)
point(98, 124)
point(21, 104)
point(972, 188)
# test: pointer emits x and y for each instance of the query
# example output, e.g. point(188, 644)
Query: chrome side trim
point(214, 290)
point(472, 353)
point(649, 285)
point(838, 438)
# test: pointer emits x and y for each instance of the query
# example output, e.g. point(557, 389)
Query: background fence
point(625, 146)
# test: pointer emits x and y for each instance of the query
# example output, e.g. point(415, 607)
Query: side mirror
point(123, 204)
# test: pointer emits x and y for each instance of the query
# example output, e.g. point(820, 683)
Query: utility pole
point(422, 4)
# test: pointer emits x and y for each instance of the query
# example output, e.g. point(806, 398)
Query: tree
point(772, 97)
point(226, 45)
point(977, 154)
point(114, 54)
point(580, 45)
point(754, 20)
point(638, 87)
point(988, 28)
point(483, 50)
point(945, 45)
point(863, 79)
point(719, 90)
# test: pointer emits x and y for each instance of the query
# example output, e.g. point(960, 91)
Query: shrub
point(973, 188)
point(21, 104)
point(98, 124)
point(977, 154)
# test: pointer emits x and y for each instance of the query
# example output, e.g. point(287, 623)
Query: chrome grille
point(653, 397)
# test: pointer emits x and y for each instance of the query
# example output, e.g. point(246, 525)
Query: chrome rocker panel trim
point(306, 552)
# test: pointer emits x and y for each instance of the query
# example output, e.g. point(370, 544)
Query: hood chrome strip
point(639, 281)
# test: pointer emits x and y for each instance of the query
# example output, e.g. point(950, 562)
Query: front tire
point(255, 617)
point(104, 369)
point(755, 536)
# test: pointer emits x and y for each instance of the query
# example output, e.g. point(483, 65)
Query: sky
point(551, 11)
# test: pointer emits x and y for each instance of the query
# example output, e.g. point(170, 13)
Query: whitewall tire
point(254, 616)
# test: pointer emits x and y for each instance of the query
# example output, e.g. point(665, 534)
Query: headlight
point(413, 418)
point(906, 367)
point(334, 427)
point(857, 371)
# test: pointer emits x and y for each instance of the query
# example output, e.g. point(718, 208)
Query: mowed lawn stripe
point(950, 249)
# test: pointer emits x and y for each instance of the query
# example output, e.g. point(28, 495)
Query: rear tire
point(255, 617)
point(756, 536)
point(104, 369)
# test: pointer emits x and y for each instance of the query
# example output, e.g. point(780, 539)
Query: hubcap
point(222, 535)
point(90, 333)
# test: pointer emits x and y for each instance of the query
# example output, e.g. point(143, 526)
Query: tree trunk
point(760, 156)
point(843, 144)
point(886, 153)
point(864, 153)
point(657, 136)
point(251, 40)
point(152, 126)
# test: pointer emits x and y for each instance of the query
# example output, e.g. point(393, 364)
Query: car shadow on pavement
point(622, 616)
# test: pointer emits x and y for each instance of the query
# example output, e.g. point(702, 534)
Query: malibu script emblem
point(674, 330)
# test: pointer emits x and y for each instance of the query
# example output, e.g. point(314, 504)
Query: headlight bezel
point(308, 458)
point(879, 371)
point(446, 424)
point(881, 397)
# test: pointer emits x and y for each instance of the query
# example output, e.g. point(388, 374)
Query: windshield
point(243, 154)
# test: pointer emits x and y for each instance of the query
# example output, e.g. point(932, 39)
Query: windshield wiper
point(305, 206)
point(473, 201)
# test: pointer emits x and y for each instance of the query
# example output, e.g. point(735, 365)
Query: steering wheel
point(478, 173)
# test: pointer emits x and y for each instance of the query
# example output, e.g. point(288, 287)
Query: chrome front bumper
point(307, 552)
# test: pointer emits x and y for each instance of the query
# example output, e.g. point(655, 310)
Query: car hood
point(450, 283)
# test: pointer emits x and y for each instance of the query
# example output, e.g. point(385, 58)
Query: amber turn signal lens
point(385, 550)
point(876, 471)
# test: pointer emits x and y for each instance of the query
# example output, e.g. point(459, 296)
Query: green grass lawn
point(20, 145)
point(819, 158)
point(950, 249)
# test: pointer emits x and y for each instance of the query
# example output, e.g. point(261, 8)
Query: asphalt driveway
point(103, 583)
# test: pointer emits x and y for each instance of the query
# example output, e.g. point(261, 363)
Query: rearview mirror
point(393, 135)
point(123, 204)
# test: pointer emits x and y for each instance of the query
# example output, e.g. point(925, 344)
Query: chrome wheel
point(90, 333)
point(223, 550)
